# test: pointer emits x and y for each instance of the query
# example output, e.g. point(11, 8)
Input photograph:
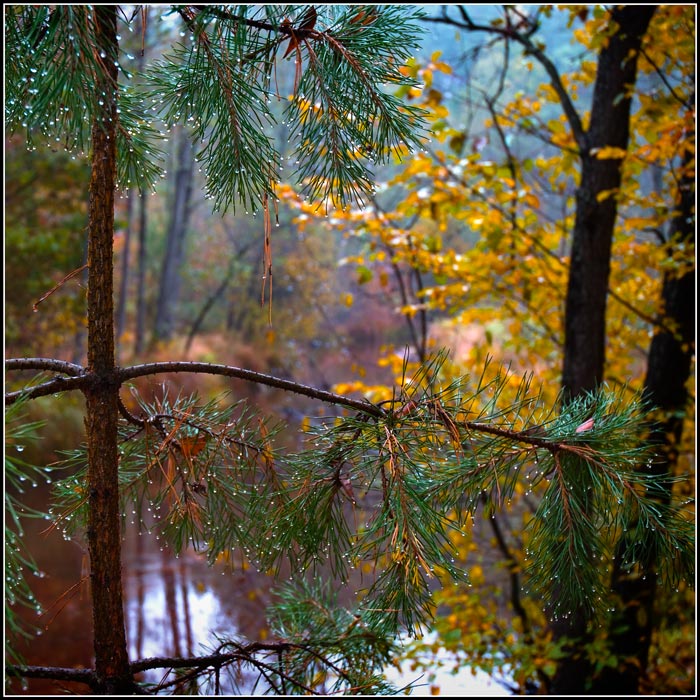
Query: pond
point(174, 606)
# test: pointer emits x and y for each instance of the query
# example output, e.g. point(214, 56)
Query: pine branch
point(221, 84)
point(127, 373)
point(419, 466)
point(52, 67)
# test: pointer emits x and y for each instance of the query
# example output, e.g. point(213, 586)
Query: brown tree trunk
point(104, 519)
point(596, 212)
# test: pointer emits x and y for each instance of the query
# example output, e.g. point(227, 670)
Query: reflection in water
point(174, 606)
point(178, 606)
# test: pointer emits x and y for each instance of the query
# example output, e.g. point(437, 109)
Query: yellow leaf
point(609, 153)
point(532, 200)
point(476, 574)
point(606, 194)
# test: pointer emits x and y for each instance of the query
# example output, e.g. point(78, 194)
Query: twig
point(70, 275)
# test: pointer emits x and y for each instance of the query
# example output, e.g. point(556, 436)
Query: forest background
point(464, 245)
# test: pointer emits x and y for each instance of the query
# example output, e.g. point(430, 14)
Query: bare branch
point(364, 406)
point(55, 386)
point(78, 675)
point(80, 378)
point(46, 364)
point(525, 39)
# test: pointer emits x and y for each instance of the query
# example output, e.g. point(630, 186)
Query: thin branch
point(79, 675)
point(509, 32)
point(54, 386)
point(513, 570)
point(214, 659)
point(657, 322)
point(56, 287)
point(130, 417)
point(664, 79)
point(198, 663)
point(220, 13)
point(45, 364)
point(364, 406)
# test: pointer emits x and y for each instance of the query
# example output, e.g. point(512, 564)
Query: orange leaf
point(308, 22)
point(192, 446)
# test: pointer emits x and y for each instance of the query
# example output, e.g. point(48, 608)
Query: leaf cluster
point(332, 647)
point(224, 82)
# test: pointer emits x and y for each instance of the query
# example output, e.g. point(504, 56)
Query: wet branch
point(364, 406)
point(197, 664)
point(79, 378)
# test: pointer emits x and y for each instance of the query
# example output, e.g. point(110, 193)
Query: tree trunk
point(170, 281)
point(104, 519)
point(140, 340)
point(585, 331)
point(584, 345)
point(665, 387)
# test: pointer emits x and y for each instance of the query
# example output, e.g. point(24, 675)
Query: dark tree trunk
point(669, 368)
point(104, 520)
point(584, 345)
point(585, 331)
point(170, 281)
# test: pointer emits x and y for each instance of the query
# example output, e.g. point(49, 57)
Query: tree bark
point(665, 387)
point(170, 281)
point(596, 212)
point(104, 519)
point(584, 345)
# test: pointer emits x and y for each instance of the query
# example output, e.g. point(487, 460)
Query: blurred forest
point(465, 245)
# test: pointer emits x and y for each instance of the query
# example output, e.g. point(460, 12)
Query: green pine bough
point(387, 485)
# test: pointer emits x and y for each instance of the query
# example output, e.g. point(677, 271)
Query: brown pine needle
point(70, 275)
